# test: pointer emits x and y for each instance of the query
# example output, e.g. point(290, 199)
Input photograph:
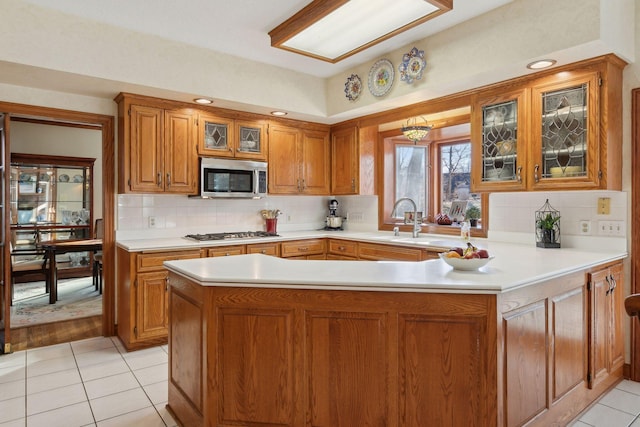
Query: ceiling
point(241, 27)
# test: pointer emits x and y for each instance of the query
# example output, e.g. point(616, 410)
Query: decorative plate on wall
point(353, 87)
point(381, 77)
point(413, 64)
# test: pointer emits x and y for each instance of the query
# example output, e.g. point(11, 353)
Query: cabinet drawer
point(343, 248)
point(272, 249)
point(153, 261)
point(227, 250)
point(303, 248)
point(388, 253)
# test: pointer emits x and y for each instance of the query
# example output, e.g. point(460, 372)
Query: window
point(434, 173)
point(411, 177)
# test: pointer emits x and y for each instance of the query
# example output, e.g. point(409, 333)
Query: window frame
point(437, 137)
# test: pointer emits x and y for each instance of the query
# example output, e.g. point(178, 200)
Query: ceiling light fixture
point(279, 113)
point(543, 63)
point(415, 132)
point(203, 101)
point(331, 30)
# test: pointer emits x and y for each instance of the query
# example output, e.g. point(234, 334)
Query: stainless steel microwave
point(232, 178)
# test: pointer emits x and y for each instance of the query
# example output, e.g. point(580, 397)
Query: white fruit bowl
point(465, 264)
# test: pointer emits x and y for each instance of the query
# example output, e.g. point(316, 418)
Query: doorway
point(105, 126)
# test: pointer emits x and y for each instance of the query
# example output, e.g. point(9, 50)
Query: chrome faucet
point(416, 226)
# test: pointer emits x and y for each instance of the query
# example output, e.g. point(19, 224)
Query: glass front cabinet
point(544, 136)
point(51, 199)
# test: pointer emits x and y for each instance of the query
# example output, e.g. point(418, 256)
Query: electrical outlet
point(152, 222)
point(585, 227)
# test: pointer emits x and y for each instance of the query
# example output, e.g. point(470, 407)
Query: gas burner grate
point(231, 235)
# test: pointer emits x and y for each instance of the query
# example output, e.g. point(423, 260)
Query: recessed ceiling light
point(279, 113)
point(334, 30)
point(543, 63)
point(203, 101)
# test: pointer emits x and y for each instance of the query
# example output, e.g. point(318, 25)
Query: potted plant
point(547, 224)
point(472, 215)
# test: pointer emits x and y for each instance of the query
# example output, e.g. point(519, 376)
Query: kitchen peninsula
point(533, 337)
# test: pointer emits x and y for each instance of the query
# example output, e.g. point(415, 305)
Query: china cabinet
point(549, 132)
point(298, 160)
point(219, 136)
point(51, 199)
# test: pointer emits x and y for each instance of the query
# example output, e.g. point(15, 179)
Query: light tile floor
point(619, 407)
point(92, 382)
point(95, 382)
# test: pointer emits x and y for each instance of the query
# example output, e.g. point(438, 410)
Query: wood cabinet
point(272, 249)
point(342, 249)
point(606, 299)
point(298, 160)
point(226, 250)
point(336, 358)
point(549, 132)
point(345, 162)
point(304, 249)
point(220, 136)
point(379, 252)
point(157, 147)
point(142, 296)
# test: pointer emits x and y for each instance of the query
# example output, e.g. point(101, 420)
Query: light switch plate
point(604, 206)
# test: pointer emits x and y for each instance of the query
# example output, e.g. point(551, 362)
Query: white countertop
point(513, 266)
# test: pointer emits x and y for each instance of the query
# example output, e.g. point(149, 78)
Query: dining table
point(53, 248)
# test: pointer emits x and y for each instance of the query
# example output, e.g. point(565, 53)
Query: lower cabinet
point(563, 346)
point(606, 299)
point(304, 249)
point(286, 357)
point(142, 296)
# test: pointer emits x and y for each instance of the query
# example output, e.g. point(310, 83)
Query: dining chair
point(632, 305)
point(98, 233)
point(26, 262)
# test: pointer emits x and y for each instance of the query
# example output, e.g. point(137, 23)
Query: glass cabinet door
point(498, 134)
point(216, 136)
point(565, 132)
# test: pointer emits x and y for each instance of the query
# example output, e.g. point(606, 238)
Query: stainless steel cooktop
point(232, 235)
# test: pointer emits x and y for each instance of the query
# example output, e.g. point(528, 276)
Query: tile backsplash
point(511, 214)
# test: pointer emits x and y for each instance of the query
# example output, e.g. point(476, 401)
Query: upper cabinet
point(558, 131)
point(298, 160)
point(225, 137)
point(157, 147)
point(345, 162)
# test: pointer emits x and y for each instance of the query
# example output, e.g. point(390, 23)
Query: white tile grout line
point(73, 353)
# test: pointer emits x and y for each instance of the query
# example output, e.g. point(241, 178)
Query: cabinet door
point(345, 162)
point(315, 163)
point(498, 135)
point(146, 127)
point(227, 250)
point(272, 249)
point(180, 159)
point(151, 305)
point(565, 134)
point(284, 167)
point(251, 140)
point(215, 136)
point(607, 314)
point(616, 336)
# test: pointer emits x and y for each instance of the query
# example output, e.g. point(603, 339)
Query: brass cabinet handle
point(159, 179)
point(519, 174)
point(609, 283)
point(535, 173)
point(168, 179)
point(353, 184)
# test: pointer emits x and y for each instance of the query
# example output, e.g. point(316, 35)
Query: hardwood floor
point(28, 337)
